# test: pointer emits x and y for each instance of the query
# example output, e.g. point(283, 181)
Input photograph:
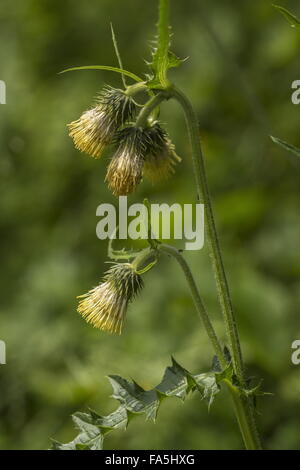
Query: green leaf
point(174, 61)
point(116, 47)
point(90, 435)
point(292, 19)
point(290, 148)
point(105, 67)
point(120, 254)
point(134, 400)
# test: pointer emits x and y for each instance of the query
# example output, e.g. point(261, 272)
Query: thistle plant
point(105, 306)
point(140, 147)
point(96, 128)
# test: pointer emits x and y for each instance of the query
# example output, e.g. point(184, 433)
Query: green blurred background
point(243, 57)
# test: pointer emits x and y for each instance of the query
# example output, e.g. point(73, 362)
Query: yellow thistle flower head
point(105, 306)
point(96, 128)
point(125, 170)
point(161, 156)
point(140, 151)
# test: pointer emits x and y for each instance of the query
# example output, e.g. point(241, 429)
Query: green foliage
point(134, 401)
point(105, 67)
point(162, 58)
point(290, 148)
point(49, 197)
point(290, 17)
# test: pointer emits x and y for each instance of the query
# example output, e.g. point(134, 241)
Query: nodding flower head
point(161, 156)
point(105, 306)
point(140, 151)
point(125, 170)
point(96, 128)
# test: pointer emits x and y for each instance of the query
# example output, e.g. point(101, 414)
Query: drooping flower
point(105, 306)
point(125, 170)
point(140, 150)
point(161, 156)
point(96, 128)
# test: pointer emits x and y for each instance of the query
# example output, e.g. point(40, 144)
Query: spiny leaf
point(133, 397)
point(174, 61)
point(90, 435)
point(286, 146)
point(162, 58)
point(255, 391)
point(155, 80)
point(292, 19)
point(105, 67)
point(119, 254)
point(134, 400)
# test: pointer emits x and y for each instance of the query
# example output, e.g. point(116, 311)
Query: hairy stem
point(212, 237)
point(145, 260)
point(150, 106)
point(246, 417)
point(163, 41)
point(133, 90)
point(242, 414)
point(216, 257)
point(240, 404)
point(200, 307)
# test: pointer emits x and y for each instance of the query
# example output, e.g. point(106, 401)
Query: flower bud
point(105, 306)
point(161, 156)
point(147, 151)
point(96, 128)
point(125, 170)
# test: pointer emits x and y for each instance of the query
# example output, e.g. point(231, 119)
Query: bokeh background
point(242, 61)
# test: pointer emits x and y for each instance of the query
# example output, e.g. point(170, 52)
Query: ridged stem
point(216, 256)
point(200, 307)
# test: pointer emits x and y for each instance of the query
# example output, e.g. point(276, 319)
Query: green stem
point(242, 414)
point(216, 257)
point(163, 42)
point(239, 401)
point(200, 307)
point(212, 237)
point(133, 90)
point(243, 405)
point(145, 260)
point(149, 107)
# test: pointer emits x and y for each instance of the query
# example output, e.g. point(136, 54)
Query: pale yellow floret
point(90, 133)
point(104, 308)
point(124, 172)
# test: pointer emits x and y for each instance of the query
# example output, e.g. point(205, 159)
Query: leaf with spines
point(162, 58)
point(90, 435)
point(134, 400)
point(158, 78)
